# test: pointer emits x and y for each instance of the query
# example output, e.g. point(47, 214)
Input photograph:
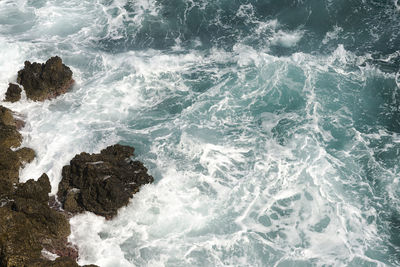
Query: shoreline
point(36, 225)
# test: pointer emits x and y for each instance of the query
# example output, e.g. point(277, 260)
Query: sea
point(271, 127)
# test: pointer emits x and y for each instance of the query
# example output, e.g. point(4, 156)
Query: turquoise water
point(271, 127)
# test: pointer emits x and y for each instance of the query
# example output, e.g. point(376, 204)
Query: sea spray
point(271, 127)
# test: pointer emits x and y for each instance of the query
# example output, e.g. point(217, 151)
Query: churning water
point(272, 127)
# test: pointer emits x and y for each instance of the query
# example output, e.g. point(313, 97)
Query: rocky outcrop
point(13, 93)
point(6, 117)
point(101, 183)
point(27, 224)
point(43, 81)
point(11, 160)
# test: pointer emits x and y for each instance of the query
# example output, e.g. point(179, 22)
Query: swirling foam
point(261, 156)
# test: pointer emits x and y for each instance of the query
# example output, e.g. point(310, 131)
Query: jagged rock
point(25, 154)
point(36, 190)
point(45, 81)
point(9, 165)
point(12, 161)
point(6, 189)
point(101, 183)
point(6, 117)
point(59, 262)
point(9, 136)
point(17, 239)
point(27, 225)
point(13, 93)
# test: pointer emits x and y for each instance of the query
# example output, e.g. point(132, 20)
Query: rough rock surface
point(9, 136)
point(6, 117)
point(27, 223)
point(11, 161)
point(43, 81)
point(101, 183)
point(13, 93)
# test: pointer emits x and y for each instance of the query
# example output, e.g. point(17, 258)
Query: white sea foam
point(286, 39)
point(243, 173)
point(292, 197)
point(396, 4)
point(332, 35)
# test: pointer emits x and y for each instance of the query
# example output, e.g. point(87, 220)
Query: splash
point(272, 129)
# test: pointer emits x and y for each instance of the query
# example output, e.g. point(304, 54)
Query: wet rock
point(101, 183)
point(9, 136)
point(12, 161)
point(27, 225)
point(9, 165)
point(6, 117)
point(59, 262)
point(13, 93)
point(43, 81)
point(6, 189)
point(25, 155)
point(36, 190)
point(71, 201)
point(17, 239)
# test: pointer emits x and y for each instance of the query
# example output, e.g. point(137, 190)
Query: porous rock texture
point(27, 224)
point(101, 183)
point(13, 93)
point(43, 81)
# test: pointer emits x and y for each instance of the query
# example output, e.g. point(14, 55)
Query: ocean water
point(272, 127)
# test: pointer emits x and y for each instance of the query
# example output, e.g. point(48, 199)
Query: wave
point(271, 127)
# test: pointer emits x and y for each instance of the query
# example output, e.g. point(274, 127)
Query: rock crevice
point(30, 222)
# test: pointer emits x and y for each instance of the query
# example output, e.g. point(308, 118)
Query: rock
point(27, 225)
point(36, 190)
point(71, 202)
point(45, 81)
point(11, 162)
point(13, 93)
point(101, 183)
point(6, 117)
point(9, 136)
point(59, 262)
point(6, 188)
point(26, 154)
point(17, 239)
point(9, 165)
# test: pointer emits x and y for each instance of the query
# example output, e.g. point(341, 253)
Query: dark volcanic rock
point(101, 183)
point(6, 117)
point(9, 136)
point(11, 161)
point(13, 93)
point(45, 81)
point(9, 165)
point(25, 154)
point(27, 224)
